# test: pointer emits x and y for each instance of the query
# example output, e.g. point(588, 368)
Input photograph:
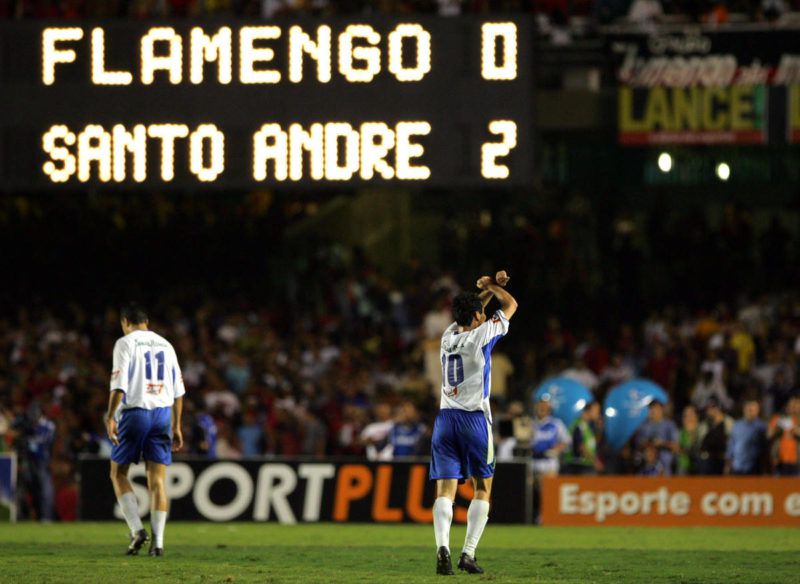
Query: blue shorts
point(144, 434)
point(462, 446)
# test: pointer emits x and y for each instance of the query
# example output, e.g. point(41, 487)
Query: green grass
point(238, 552)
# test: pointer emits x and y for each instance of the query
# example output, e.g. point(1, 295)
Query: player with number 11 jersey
point(144, 421)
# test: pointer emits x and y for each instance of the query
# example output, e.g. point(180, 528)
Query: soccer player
point(462, 445)
point(144, 421)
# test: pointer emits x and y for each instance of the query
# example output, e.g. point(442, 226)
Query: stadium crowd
point(357, 374)
point(555, 12)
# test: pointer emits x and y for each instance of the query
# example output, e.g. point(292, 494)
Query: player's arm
point(485, 297)
point(496, 288)
point(177, 434)
point(179, 390)
point(118, 386)
point(111, 423)
point(507, 302)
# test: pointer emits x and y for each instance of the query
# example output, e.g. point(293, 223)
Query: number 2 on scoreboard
point(491, 151)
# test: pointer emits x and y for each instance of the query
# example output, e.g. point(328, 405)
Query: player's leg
point(446, 467)
point(157, 452)
point(130, 506)
point(156, 484)
point(443, 511)
point(442, 520)
point(123, 454)
point(477, 516)
point(481, 462)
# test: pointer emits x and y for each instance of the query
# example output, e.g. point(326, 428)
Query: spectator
point(221, 398)
point(593, 353)
point(747, 444)
point(784, 435)
point(707, 387)
point(550, 439)
point(502, 369)
point(653, 465)
point(251, 435)
point(314, 433)
point(689, 442)
point(205, 435)
point(645, 12)
point(777, 393)
point(435, 322)
point(661, 367)
point(375, 435)
point(742, 342)
point(582, 374)
point(407, 433)
point(715, 365)
point(660, 433)
point(506, 443)
point(228, 443)
point(581, 457)
point(35, 433)
point(521, 423)
point(618, 371)
point(714, 432)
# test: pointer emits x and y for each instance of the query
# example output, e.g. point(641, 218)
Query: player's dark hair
point(134, 313)
point(465, 305)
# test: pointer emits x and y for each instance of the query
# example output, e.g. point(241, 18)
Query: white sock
point(158, 519)
point(130, 509)
point(477, 516)
point(442, 518)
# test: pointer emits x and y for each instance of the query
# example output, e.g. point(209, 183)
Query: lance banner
point(292, 491)
point(705, 87)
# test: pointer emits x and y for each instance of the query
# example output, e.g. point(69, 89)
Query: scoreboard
point(423, 101)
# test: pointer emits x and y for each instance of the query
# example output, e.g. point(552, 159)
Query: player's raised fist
point(502, 278)
point(483, 282)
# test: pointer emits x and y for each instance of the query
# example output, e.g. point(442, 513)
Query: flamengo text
point(357, 54)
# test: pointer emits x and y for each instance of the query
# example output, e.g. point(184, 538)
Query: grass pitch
point(269, 553)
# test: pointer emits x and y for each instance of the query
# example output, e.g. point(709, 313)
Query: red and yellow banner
point(719, 501)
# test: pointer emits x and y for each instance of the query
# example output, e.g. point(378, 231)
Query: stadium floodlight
point(664, 162)
point(723, 171)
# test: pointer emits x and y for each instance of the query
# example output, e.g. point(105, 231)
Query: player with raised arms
point(462, 445)
point(144, 421)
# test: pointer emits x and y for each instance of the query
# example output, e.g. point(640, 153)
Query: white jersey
point(146, 369)
point(467, 364)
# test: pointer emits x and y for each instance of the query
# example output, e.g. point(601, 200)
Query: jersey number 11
point(148, 365)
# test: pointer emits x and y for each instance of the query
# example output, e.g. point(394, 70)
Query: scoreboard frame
point(420, 101)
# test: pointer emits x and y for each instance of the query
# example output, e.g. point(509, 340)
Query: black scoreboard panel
point(420, 101)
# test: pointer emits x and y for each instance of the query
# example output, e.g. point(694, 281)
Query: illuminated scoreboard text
point(431, 101)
